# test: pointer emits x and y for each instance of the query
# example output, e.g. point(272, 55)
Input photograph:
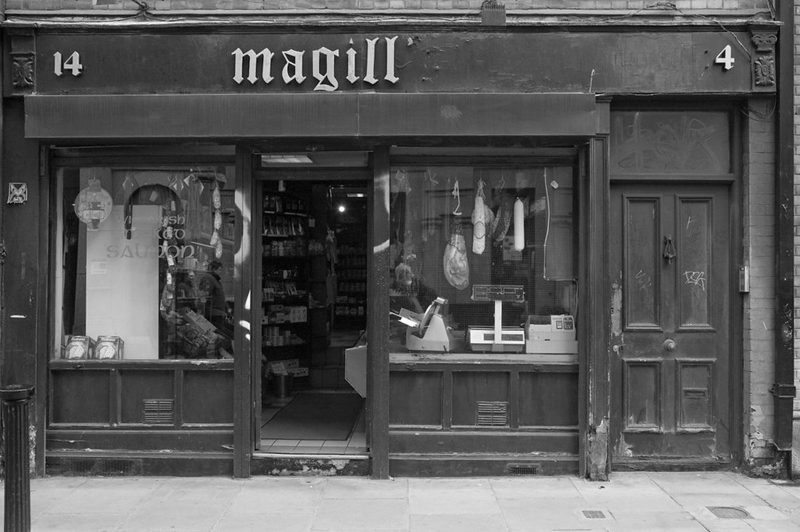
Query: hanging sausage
point(519, 225)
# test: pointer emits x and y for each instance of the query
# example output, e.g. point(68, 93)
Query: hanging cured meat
point(502, 220)
point(479, 222)
point(456, 265)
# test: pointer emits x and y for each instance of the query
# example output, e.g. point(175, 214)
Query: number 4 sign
point(725, 58)
point(71, 64)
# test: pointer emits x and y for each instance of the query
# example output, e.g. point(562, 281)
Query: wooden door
point(671, 350)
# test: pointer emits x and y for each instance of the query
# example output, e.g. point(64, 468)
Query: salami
point(456, 264)
point(479, 224)
point(502, 220)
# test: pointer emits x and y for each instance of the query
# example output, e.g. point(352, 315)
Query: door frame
point(247, 379)
point(734, 180)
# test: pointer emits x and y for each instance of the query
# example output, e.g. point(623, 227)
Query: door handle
point(669, 249)
point(669, 344)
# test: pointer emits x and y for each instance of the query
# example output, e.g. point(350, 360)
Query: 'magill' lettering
point(323, 65)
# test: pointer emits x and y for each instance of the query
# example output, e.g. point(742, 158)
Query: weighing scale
point(498, 339)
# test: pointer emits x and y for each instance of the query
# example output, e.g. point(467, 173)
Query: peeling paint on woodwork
point(598, 451)
point(304, 467)
point(623, 449)
point(616, 306)
point(451, 113)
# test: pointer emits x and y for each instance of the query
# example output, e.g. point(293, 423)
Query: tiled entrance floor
point(355, 444)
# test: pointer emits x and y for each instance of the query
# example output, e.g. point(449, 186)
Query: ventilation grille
point(522, 469)
point(492, 414)
point(159, 410)
point(594, 514)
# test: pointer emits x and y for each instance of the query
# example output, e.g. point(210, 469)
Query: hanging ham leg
point(456, 265)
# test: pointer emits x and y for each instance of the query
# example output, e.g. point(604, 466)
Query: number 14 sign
point(70, 64)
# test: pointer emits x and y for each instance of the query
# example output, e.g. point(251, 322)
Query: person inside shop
point(216, 307)
point(408, 290)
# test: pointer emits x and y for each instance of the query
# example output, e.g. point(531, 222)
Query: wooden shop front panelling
point(508, 408)
point(103, 404)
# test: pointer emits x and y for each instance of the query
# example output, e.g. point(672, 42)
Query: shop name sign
point(257, 67)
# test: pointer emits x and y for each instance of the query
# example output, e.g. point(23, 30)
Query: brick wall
point(368, 5)
point(759, 305)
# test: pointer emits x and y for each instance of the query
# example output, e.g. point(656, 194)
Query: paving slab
point(96, 522)
point(546, 514)
point(293, 521)
point(201, 514)
point(451, 496)
point(278, 495)
point(776, 495)
point(525, 488)
point(773, 526)
point(360, 514)
point(93, 498)
point(459, 522)
point(639, 519)
point(364, 488)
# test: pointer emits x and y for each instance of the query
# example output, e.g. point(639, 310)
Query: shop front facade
point(407, 250)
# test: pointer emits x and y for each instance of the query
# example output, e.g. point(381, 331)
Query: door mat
point(315, 416)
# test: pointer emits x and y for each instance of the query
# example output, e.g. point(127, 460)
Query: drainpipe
point(783, 390)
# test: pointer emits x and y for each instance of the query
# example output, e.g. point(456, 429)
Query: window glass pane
point(670, 142)
point(518, 248)
point(146, 262)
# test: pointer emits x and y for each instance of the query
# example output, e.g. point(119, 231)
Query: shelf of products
point(285, 285)
point(350, 304)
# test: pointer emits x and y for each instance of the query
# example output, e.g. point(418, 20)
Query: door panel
point(641, 288)
point(694, 240)
point(670, 248)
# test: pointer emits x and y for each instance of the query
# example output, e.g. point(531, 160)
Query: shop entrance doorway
point(313, 312)
point(671, 376)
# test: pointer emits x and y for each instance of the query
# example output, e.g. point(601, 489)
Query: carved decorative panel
point(22, 71)
point(763, 61)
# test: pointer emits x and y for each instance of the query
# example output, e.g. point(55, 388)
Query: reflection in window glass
point(472, 236)
point(146, 263)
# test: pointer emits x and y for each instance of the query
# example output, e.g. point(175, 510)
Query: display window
point(144, 263)
point(483, 259)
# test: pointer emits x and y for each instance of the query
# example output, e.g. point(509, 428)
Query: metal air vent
point(492, 414)
point(159, 411)
point(522, 469)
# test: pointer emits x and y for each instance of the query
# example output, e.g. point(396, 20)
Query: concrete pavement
point(690, 501)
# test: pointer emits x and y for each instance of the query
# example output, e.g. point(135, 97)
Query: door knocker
point(669, 249)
